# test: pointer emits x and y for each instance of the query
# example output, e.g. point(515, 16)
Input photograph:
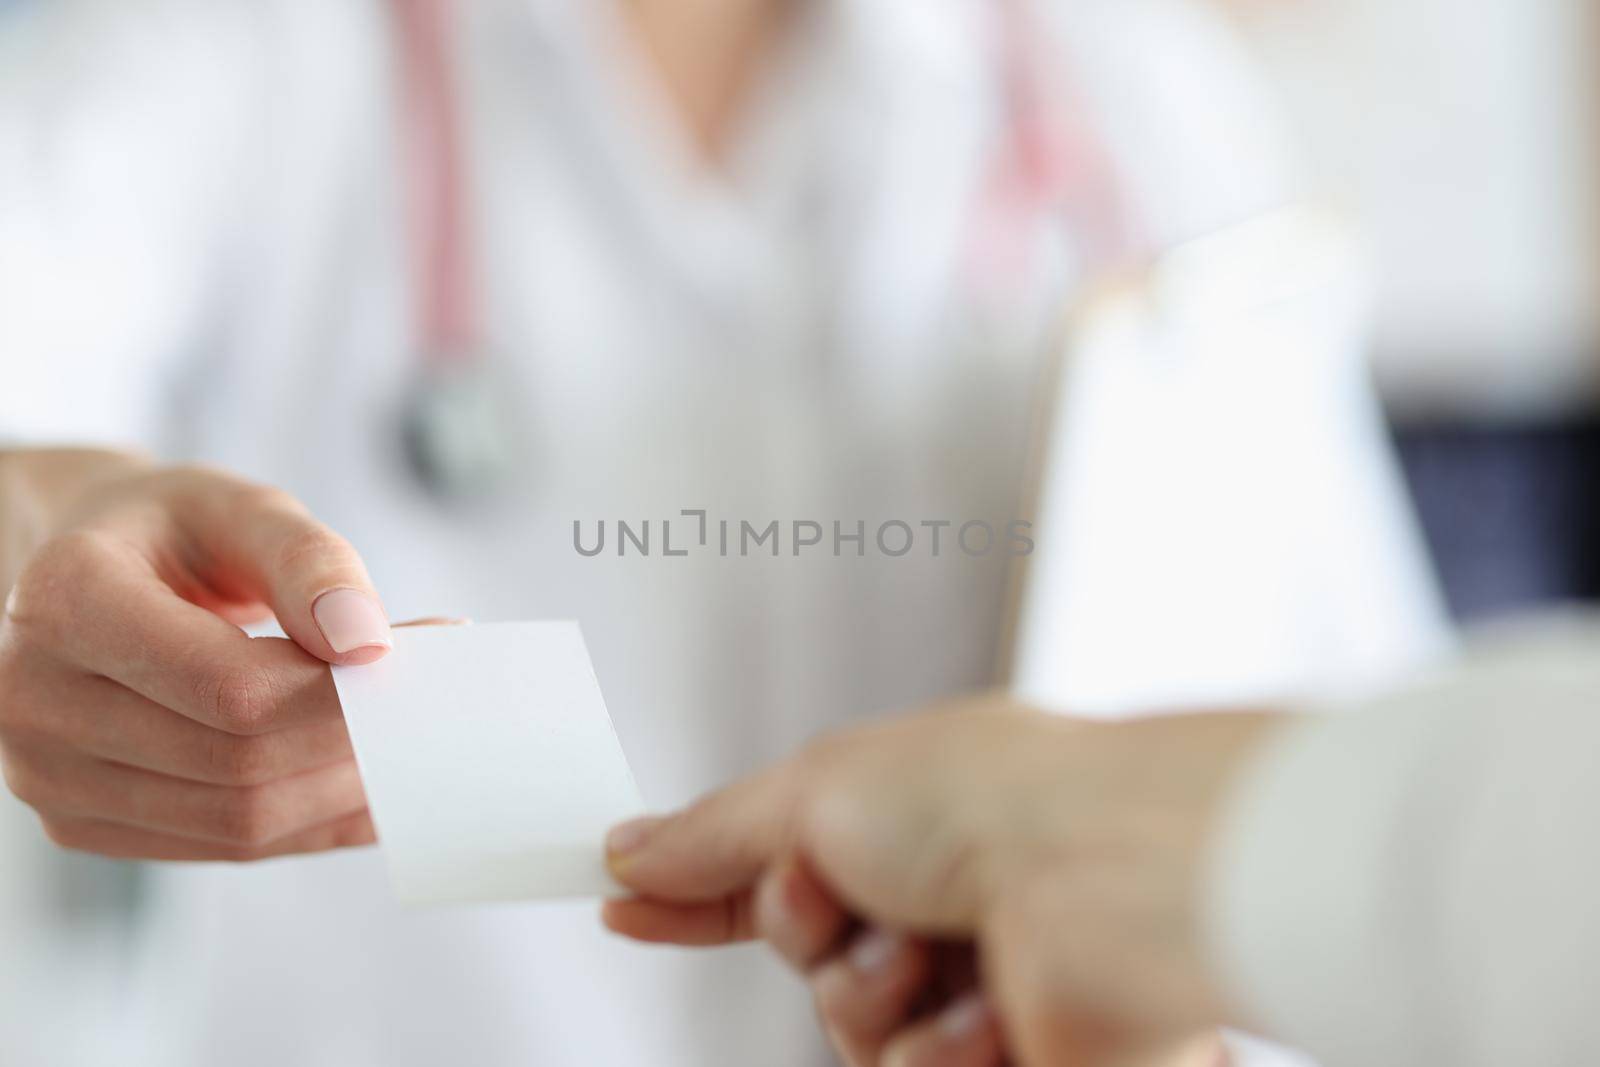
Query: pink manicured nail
point(875, 950)
point(965, 1016)
point(350, 619)
point(631, 836)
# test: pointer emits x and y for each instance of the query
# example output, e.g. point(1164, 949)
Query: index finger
point(117, 619)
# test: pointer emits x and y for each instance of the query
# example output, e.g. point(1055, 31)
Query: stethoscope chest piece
point(458, 433)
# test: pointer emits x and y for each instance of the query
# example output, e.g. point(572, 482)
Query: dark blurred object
point(1511, 513)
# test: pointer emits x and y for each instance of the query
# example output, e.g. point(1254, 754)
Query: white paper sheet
point(490, 764)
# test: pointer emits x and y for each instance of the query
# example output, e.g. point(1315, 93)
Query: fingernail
point(350, 619)
point(965, 1016)
point(875, 950)
point(630, 836)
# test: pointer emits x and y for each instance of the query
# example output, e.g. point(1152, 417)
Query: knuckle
point(239, 700)
point(312, 545)
point(248, 818)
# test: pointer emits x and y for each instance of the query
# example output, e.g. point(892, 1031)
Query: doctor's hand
point(1067, 854)
point(135, 716)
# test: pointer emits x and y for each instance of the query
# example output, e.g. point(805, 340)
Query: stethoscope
point(456, 429)
point(459, 438)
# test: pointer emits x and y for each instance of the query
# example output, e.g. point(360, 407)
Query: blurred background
point(1463, 139)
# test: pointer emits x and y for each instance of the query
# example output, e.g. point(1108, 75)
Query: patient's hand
point(1067, 853)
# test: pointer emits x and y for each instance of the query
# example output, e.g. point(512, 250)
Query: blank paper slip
point(490, 763)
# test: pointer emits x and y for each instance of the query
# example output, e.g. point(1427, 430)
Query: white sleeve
point(120, 127)
point(1414, 884)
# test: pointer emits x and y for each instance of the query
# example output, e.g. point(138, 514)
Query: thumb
point(716, 848)
point(258, 543)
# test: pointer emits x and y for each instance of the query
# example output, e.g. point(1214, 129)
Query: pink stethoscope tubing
point(444, 263)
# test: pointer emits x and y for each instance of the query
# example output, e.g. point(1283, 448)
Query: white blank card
point(490, 764)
